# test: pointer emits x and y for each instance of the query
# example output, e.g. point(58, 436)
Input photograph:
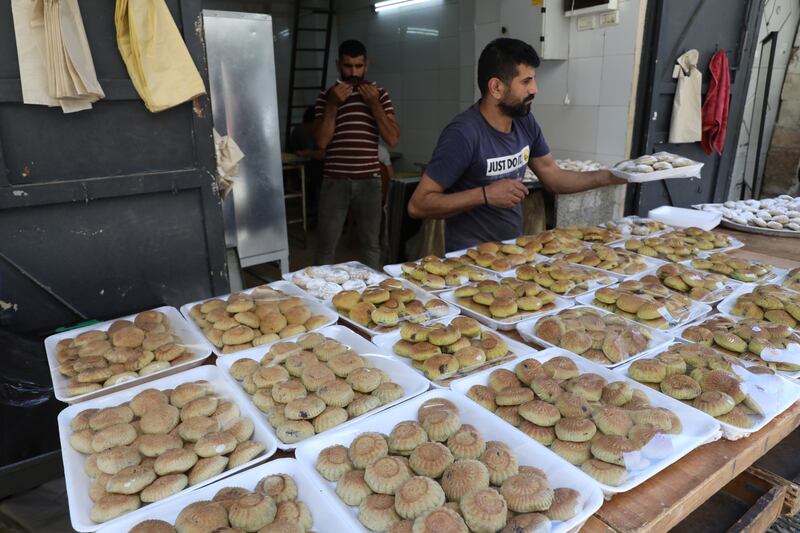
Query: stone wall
point(782, 173)
point(590, 207)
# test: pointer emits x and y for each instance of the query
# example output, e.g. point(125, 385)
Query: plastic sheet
point(411, 383)
point(613, 260)
point(738, 333)
point(24, 380)
point(711, 286)
point(325, 517)
point(389, 341)
point(277, 293)
point(759, 397)
point(458, 274)
point(616, 336)
point(635, 226)
point(674, 309)
point(431, 308)
point(483, 313)
point(62, 358)
point(324, 282)
point(634, 458)
point(736, 268)
point(77, 480)
point(559, 473)
point(566, 279)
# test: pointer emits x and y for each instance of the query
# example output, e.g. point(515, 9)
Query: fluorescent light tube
point(389, 4)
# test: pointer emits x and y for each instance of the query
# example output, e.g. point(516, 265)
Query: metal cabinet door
point(108, 211)
point(672, 27)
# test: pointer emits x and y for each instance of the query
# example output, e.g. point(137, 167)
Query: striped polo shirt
point(353, 150)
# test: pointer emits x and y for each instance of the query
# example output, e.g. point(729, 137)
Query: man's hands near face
point(369, 93)
point(340, 93)
point(506, 193)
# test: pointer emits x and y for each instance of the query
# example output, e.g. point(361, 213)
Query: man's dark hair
point(352, 48)
point(309, 114)
point(500, 59)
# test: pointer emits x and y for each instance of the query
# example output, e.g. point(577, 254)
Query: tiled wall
point(598, 77)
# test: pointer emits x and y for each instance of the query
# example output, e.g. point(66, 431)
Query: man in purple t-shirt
point(474, 178)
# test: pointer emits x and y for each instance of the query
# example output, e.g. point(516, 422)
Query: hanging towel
point(717, 104)
point(686, 123)
point(152, 48)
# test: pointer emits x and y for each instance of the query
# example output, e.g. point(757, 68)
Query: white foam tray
point(396, 271)
point(650, 262)
point(632, 219)
point(698, 428)
point(315, 306)
point(726, 305)
point(78, 482)
point(288, 276)
point(696, 310)
point(678, 332)
point(412, 382)
point(421, 294)
point(770, 277)
point(659, 338)
point(783, 277)
point(386, 342)
point(178, 325)
point(613, 278)
point(682, 217)
point(459, 253)
point(531, 453)
point(327, 518)
point(729, 285)
point(776, 392)
point(690, 171)
point(508, 323)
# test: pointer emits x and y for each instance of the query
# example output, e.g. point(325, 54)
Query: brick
point(794, 62)
point(791, 88)
point(783, 137)
point(789, 113)
point(780, 174)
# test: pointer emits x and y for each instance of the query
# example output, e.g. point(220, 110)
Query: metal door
point(671, 28)
point(108, 211)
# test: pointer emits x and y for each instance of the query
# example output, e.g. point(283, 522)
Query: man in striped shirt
point(351, 116)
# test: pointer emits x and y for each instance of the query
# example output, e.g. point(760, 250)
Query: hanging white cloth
point(228, 156)
point(686, 125)
point(55, 62)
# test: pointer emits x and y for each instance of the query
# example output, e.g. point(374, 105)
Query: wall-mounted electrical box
point(541, 23)
point(583, 7)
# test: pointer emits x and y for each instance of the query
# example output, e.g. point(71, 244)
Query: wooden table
point(664, 500)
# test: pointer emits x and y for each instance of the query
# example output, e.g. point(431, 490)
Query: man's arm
point(387, 122)
point(430, 201)
point(560, 181)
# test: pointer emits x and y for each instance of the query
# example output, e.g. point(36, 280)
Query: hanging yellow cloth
point(152, 48)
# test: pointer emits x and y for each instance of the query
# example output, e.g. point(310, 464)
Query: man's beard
point(352, 80)
point(516, 110)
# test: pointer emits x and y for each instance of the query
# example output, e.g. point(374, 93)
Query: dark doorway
point(671, 28)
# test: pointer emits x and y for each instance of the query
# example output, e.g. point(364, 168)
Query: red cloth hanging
point(717, 104)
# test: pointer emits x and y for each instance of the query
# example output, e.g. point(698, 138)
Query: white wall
point(598, 76)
